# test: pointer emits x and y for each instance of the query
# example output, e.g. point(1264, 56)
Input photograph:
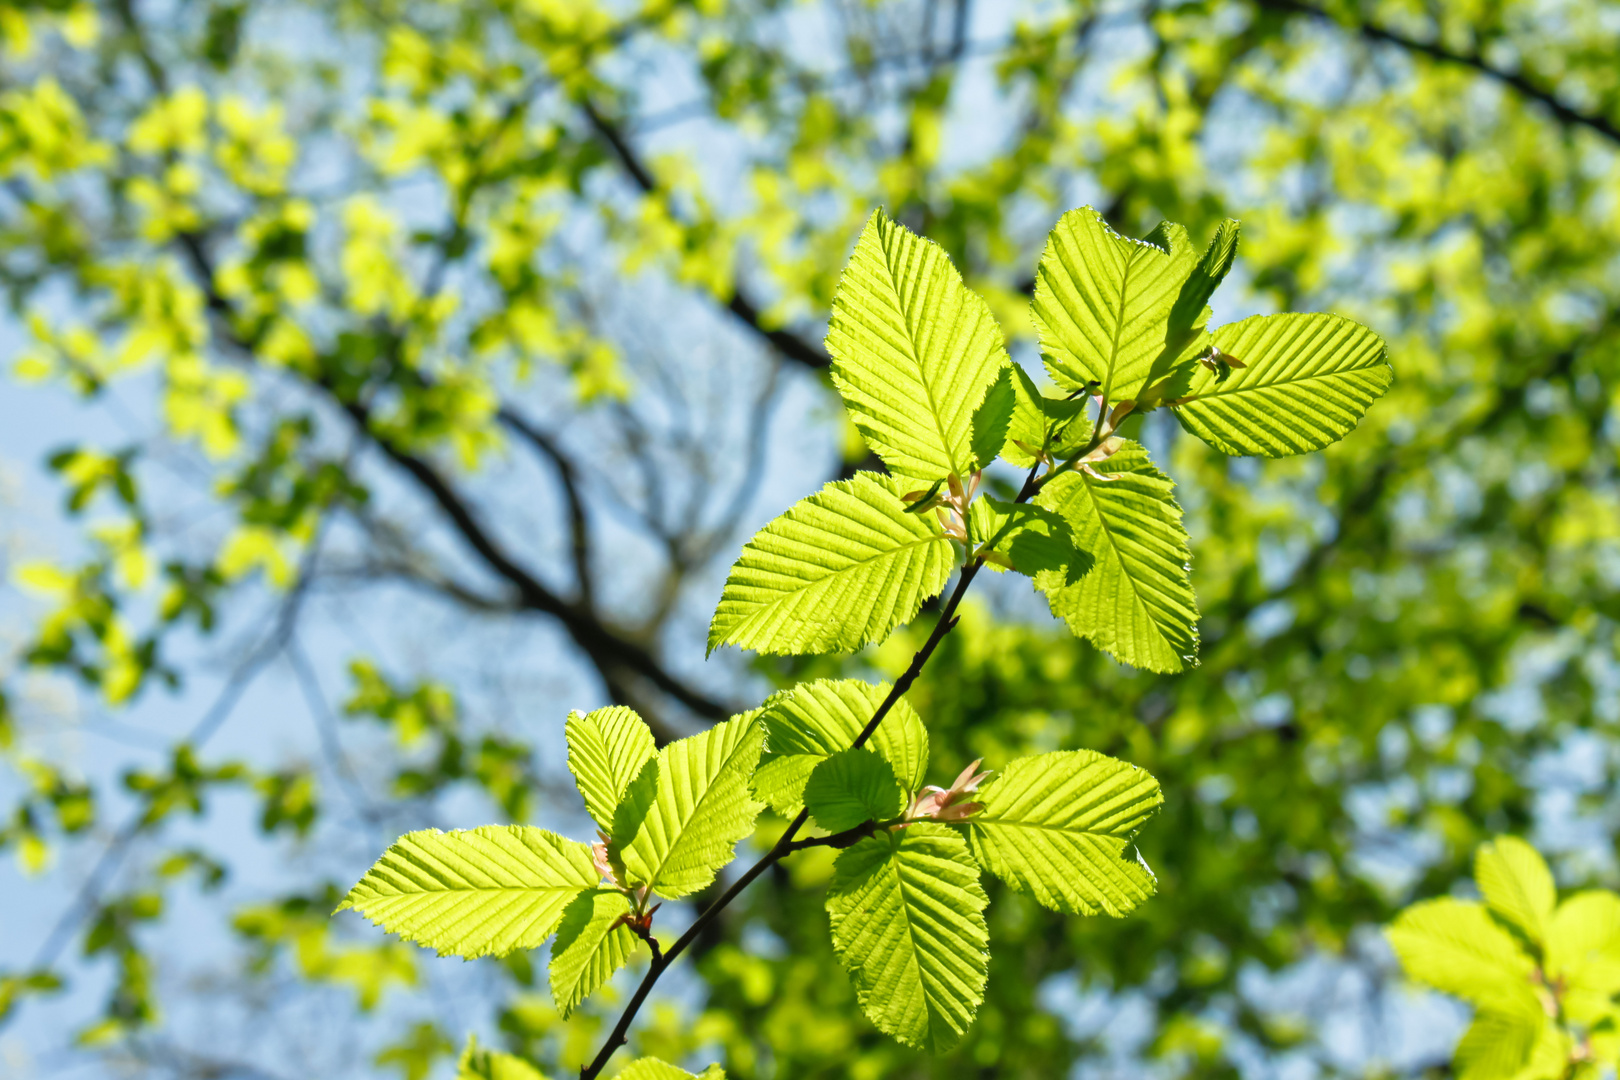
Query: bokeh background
point(382, 380)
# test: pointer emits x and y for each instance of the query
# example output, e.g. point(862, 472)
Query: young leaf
point(839, 570)
point(908, 925)
point(1306, 381)
point(1189, 310)
point(1058, 826)
point(476, 1064)
point(1102, 304)
point(1497, 1047)
point(812, 721)
point(606, 749)
point(591, 945)
point(1137, 599)
point(1456, 947)
point(1034, 415)
point(852, 787)
point(481, 892)
point(1029, 539)
point(913, 351)
point(1583, 952)
point(992, 417)
point(677, 833)
point(1516, 885)
point(654, 1069)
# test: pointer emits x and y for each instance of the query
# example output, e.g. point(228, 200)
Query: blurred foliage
point(342, 253)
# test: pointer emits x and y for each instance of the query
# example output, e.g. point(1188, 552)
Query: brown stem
point(786, 844)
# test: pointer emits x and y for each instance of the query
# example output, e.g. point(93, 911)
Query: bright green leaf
point(1516, 885)
point(1029, 539)
point(993, 417)
point(479, 892)
point(1583, 951)
point(908, 925)
point(1496, 1047)
point(1137, 599)
point(1102, 304)
point(1190, 311)
point(839, 570)
point(479, 1064)
point(1307, 380)
point(591, 945)
point(606, 749)
point(1034, 415)
point(852, 787)
point(810, 722)
point(1456, 947)
point(1058, 826)
point(913, 351)
point(677, 833)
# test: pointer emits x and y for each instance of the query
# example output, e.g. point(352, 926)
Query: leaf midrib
point(1257, 387)
point(911, 347)
point(788, 594)
point(1113, 546)
point(654, 876)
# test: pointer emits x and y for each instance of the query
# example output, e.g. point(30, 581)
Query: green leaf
point(993, 416)
point(1029, 539)
point(479, 1064)
point(1516, 885)
point(1496, 1047)
point(1058, 826)
point(850, 788)
point(654, 1069)
point(1034, 414)
point(814, 720)
point(913, 351)
point(591, 945)
point(1190, 311)
point(1102, 304)
point(676, 833)
point(839, 570)
point(1583, 951)
point(1307, 380)
point(1456, 947)
point(1137, 599)
point(606, 749)
point(908, 925)
point(480, 892)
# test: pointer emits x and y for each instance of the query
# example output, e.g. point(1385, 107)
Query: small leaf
point(913, 351)
point(1306, 382)
point(1583, 952)
point(814, 720)
point(479, 892)
point(1457, 948)
point(676, 833)
point(1102, 304)
point(839, 570)
point(992, 417)
point(908, 925)
point(1058, 826)
point(1497, 1047)
point(606, 749)
point(850, 788)
point(1032, 539)
point(1137, 599)
point(591, 945)
point(479, 1064)
point(1516, 885)
point(1034, 414)
point(1190, 310)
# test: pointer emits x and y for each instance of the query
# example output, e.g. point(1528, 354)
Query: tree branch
point(1530, 89)
point(787, 343)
